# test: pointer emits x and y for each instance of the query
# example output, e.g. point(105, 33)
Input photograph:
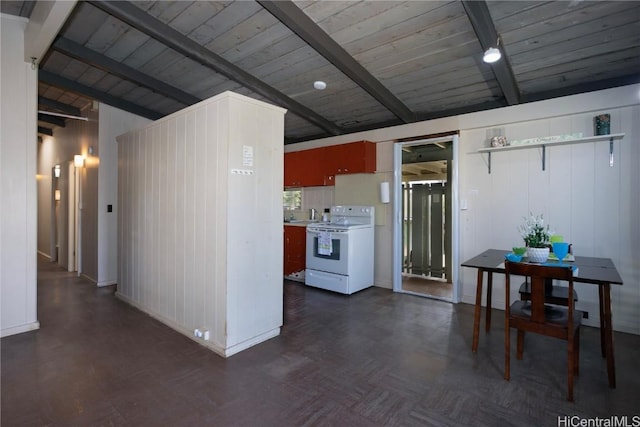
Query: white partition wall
point(200, 220)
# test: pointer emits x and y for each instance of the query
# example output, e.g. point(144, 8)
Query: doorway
point(425, 248)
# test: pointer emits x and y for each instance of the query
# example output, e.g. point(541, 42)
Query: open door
point(425, 249)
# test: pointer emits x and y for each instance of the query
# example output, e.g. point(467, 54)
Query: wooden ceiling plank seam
point(532, 84)
point(586, 65)
point(552, 31)
point(423, 40)
point(107, 64)
point(426, 58)
point(249, 28)
point(294, 18)
point(165, 11)
point(179, 42)
point(193, 16)
point(224, 22)
point(73, 86)
point(601, 50)
point(394, 23)
point(334, 17)
point(265, 42)
point(555, 14)
point(483, 25)
point(583, 88)
point(414, 32)
point(58, 106)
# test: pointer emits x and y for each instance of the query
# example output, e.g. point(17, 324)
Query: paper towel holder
point(384, 192)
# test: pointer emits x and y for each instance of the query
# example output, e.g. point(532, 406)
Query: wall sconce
point(384, 192)
point(78, 161)
point(56, 195)
point(56, 171)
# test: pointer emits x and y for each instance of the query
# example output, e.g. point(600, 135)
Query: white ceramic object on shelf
point(538, 255)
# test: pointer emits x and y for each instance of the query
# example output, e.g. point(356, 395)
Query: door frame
point(397, 211)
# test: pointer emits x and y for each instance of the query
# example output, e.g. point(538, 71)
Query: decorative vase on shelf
point(538, 255)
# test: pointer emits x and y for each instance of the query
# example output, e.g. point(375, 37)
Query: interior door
point(426, 218)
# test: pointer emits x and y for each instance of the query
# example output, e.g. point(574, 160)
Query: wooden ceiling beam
point(300, 23)
point(158, 30)
point(480, 18)
point(70, 85)
point(58, 106)
point(52, 120)
point(45, 131)
point(108, 65)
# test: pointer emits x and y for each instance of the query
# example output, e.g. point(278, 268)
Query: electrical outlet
point(585, 314)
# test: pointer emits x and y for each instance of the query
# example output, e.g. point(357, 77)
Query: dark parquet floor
point(371, 359)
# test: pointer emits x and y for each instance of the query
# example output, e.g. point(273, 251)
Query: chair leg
point(571, 366)
point(507, 349)
point(520, 343)
point(576, 352)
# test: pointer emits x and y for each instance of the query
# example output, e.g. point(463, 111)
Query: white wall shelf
point(546, 144)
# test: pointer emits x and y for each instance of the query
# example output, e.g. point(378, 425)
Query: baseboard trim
point(20, 329)
point(218, 349)
point(107, 283)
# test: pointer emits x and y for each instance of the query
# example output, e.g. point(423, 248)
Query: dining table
point(592, 270)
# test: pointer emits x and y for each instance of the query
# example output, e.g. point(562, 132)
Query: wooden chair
point(557, 295)
point(537, 317)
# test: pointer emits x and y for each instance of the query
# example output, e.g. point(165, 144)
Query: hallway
point(373, 358)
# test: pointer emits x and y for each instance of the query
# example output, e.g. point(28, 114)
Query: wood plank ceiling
point(384, 62)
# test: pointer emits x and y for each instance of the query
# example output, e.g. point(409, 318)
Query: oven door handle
point(318, 230)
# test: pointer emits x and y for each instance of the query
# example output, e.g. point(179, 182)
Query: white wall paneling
point(111, 123)
point(200, 220)
point(592, 205)
point(18, 191)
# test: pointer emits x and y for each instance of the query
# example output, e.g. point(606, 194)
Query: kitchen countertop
point(302, 222)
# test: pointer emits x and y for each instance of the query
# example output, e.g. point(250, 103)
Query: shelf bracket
point(489, 163)
point(544, 156)
point(610, 152)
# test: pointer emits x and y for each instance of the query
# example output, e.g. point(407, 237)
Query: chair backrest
point(539, 274)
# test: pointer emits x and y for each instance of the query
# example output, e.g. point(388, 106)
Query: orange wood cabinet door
point(355, 157)
point(304, 168)
point(295, 249)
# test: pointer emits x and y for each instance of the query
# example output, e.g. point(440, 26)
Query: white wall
point(111, 123)
point(77, 137)
point(593, 206)
point(18, 123)
point(200, 241)
point(99, 178)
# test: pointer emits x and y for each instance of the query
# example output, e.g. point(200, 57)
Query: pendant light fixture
point(493, 54)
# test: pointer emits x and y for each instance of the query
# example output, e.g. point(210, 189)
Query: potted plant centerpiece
point(536, 238)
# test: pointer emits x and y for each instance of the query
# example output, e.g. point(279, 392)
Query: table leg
point(607, 332)
point(603, 347)
point(487, 322)
point(476, 316)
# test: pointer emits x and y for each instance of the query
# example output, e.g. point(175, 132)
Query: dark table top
point(590, 269)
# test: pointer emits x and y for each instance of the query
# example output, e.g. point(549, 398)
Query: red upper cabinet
point(319, 166)
point(304, 168)
point(355, 157)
